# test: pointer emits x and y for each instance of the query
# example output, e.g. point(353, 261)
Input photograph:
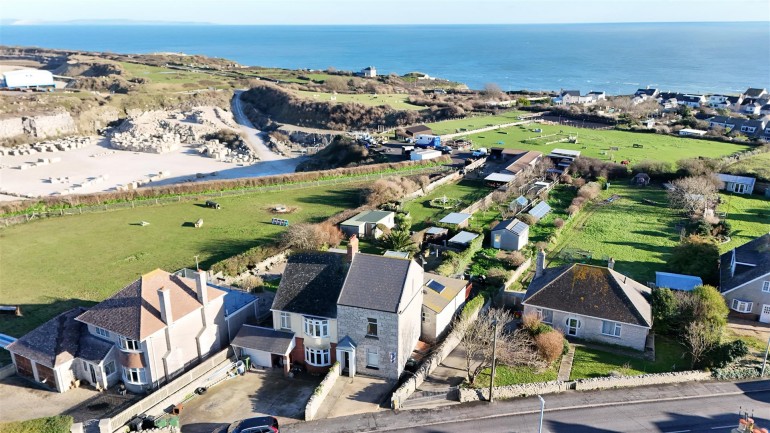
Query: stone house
point(511, 235)
point(362, 310)
point(144, 335)
point(443, 299)
point(591, 303)
point(744, 279)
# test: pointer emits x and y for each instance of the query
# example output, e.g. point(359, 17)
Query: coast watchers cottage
point(144, 335)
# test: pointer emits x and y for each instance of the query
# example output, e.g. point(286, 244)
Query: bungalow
point(458, 220)
point(677, 281)
point(443, 298)
point(737, 184)
point(362, 310)
point(511, 235)
point(591, 303)
point(145, 335)
point(366, 224)
point(744, 279)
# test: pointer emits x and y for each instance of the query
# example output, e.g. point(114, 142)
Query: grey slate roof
point(52, 343)
point(264, 339)
point(311, 284)
point(756, 252)
point(591, 291)
point(91, 348)
point(754, 92)
point(374, 283)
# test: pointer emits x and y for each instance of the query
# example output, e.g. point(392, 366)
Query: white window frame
point(102, 332)
point(541, 315)
point(134, 376)
point(317, 357)
point(107, 368)
point(372, 322)
point(766, 286)
point(130, 345)
point(741, 306)
point(285, 320)
point(315, 327)
point(615, 328)
point(375, 353)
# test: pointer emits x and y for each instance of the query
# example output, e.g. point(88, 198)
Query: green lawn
point(396, 101)
point(757, 166)
point(468, 191)
point(505, 375)
point(639, 236)
point(474, 122)
point(597, 143)
point(669, 356)
point(52, 265)
point(159, 76)
point(559, 199)
point(749, 217)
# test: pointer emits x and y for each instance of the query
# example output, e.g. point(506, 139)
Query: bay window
point(317, 357)
point(315, 327)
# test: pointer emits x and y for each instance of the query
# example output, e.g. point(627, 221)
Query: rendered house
point(443, 298)
point(511, 235)
point(145, 335)
point(359, 309)
point(568, 97)
point(744, 279)
point(591, 302)
point(365, 223)
point(737, 184)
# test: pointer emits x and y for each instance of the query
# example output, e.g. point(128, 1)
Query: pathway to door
point(566, 364)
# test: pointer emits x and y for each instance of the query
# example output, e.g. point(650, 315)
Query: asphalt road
point(717, 414)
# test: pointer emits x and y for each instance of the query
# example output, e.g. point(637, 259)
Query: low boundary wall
point(321, 391)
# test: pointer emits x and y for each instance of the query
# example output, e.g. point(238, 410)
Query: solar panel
point(436, 286)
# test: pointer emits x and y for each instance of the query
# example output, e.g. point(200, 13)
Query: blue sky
point(386, 11)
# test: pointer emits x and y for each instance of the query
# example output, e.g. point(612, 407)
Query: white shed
point(27, 78)
point(421, 155)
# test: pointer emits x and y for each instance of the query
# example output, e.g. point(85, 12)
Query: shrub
point(565, 178)
point(496, 277)
point(735, 373)
point(578, 182)
point(530, 322)
point(558, 223)
point(565, 350)
point(722, 355)
point(515, 259)
point(550, 345)
point(251, 282)
point(51, 424)
point(528, 219)
point(590, 191)
point(572, 210)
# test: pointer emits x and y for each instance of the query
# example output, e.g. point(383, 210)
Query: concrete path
point(354, 395)
point(566, 364)
point(390, 420)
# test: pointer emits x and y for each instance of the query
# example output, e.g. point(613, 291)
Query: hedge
point(51, 424)
point(455, 263)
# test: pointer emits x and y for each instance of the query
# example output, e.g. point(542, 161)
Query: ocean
point(616, 58)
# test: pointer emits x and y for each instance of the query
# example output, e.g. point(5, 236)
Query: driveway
point(264, 392)
point(355, 395)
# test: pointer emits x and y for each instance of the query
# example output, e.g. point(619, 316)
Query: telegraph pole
point(494, 353)
point(542, 409)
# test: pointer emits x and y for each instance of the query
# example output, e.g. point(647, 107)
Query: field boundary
point(160, 201)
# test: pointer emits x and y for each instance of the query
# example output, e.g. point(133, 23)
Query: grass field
point(506, 375)
point(589, 362)
point(757, 166)
point(749, 217)
point(467, 191)
point(398, 102)
point(637, 235)
point(476, 122)
point(597, 143)
point(164, 78)
point(52, 265)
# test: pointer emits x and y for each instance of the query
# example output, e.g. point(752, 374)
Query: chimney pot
point(540, 263)
point(611, 263)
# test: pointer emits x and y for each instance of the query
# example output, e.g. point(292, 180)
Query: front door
point(91, 371)
point(740, 188)
point(572, 326)
point(765, 316)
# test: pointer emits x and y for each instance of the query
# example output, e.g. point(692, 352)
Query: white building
point(27, 78)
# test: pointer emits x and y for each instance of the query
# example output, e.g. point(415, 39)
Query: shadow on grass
point(219, 250)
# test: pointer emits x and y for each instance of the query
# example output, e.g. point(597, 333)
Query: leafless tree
point(694, 194)
point(699, 337)
point(513, 347)
point(492, 90)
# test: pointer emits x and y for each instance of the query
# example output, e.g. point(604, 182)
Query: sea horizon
point(693, 57)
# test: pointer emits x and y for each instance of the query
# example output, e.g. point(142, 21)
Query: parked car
point(478, 153)
point(445, 149)
point(263, 424)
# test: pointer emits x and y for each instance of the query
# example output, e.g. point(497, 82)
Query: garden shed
point(458, 219)
point(738, 184)
point(462, 239)
point(511, 235)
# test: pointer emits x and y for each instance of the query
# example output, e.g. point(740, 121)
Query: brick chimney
point(164, 295)
point(352, 247)
point(611, 263)
point(200, 287)
point(540, 263)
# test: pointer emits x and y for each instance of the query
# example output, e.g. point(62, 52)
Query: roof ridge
point(623, 289)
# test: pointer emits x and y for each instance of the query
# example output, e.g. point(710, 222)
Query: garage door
point(46, 375)
point(258, 357)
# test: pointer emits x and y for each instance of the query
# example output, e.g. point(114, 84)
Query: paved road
point(683, 408)
point(711, 414)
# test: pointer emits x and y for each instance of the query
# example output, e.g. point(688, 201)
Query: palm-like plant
point(398, 240)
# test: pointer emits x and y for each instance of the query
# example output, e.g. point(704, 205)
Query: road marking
point(679, 431)
point(724, 426)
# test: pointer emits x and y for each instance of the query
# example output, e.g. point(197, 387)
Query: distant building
point(414, 131)
point(369, 72)
point(568, 97)
point(688, 132)
point(754, 93)
point(737, 184)
point(27, 79)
